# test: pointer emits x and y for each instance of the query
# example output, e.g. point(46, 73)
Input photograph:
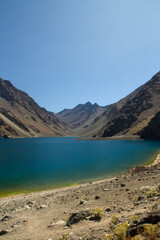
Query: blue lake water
point(42, 163)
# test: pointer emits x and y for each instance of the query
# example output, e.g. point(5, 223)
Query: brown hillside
point(81, 116)
point(137, 112)
point(21, 116)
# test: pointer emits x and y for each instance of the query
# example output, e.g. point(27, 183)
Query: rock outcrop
point(152, 130)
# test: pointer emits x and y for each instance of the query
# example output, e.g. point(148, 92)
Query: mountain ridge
point(81, 115)
point(136, 113)
point(21, 116)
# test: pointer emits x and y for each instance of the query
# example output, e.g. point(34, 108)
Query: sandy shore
point(157, 161)
point(43, 215)
point(120, 137)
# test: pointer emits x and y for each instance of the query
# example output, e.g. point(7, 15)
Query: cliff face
point(21, 116)
point(152, 130)
point(136, 113)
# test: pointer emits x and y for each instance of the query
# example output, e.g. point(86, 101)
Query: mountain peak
point(88, 104)
point(80, 116)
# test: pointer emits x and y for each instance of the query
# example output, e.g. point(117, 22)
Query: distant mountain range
point(81, 116)
point(130, 116)
point(136, 114)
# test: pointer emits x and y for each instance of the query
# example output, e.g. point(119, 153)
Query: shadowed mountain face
point(81, 116)
point(97, 123)
point(152, 130)
point(137, 112)
point(21, 116)
point(89, 119)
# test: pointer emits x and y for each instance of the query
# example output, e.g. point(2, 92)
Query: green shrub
point(65, 236)
point(133, 218)
point(136, 198)
point(97, 213)
point(114, 220)
point(120, 231)
point(108, 236)
point(150, 231)
point(137, 237)
point(151, 192)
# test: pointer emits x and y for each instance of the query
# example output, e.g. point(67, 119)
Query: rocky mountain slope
point(136, 113)
point(88, 119)
point(21, 116)
point(102, 119)
point(152, 130)
point(81, 116)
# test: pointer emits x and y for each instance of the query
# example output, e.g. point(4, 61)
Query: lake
point(43, 163)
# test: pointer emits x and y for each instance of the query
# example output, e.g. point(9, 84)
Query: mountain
point(21, 116)
point(88, 119)
point(136, 113)
point(109, 112)
point(152, 130)
point(81, 116)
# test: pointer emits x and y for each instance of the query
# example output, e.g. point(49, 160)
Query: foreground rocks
point(138, 226)
point(90, 211)
point(91, 214)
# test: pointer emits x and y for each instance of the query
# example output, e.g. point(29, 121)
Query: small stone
point(140, 198)
point(123, 185)
point(30, 202)
point(136, 203)
point(145, 188)
point(105, 189)
point(108, 210)
point(5, 219)
point(60, 222)
point(78, 216)
point(27, 207)
point(43, 206)
point(81, 202)
point(2, 232)
point(97, 197)
point(101, 228)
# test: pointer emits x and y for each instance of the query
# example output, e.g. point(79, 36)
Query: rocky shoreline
point(89, 211)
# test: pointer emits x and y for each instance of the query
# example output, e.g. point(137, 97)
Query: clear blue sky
point(65, 52)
